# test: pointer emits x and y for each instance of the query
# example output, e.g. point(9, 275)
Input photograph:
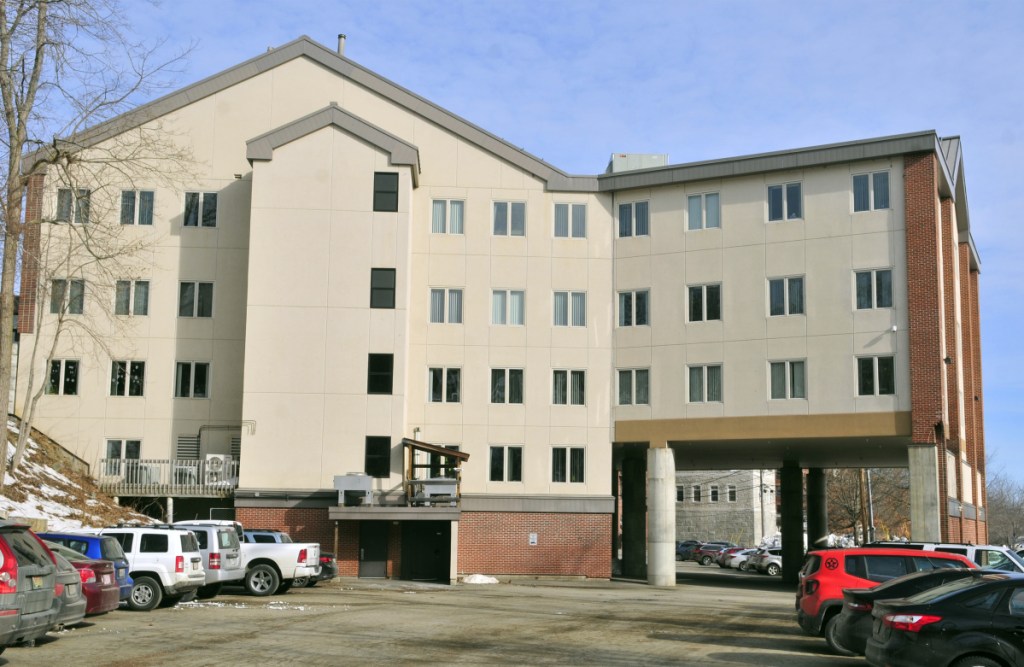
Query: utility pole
point(863, 506)
point(871, 510)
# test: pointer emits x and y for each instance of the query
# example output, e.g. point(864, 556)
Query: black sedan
point(853, 627)
point(975, 621)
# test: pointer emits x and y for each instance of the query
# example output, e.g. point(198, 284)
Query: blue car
point(101, 547)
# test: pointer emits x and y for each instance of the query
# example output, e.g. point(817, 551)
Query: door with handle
point(373, 549)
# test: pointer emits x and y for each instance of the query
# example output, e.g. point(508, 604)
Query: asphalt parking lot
point(712, 617)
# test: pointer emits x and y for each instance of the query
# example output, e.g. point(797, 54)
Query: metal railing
point(199, 478)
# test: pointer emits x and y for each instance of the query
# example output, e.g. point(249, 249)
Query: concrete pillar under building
point(925, 525)
point(170, 510)
point(817, 509)
point(634, 515)
point(661, 517)
point(792, 521)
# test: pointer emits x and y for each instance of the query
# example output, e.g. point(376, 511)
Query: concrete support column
point(925, 508)
point(634, 513)
point(661, 517)
point(792, 521)
point(817, 509)
point(170, 509)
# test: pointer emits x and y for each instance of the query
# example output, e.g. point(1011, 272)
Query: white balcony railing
point(201, 478)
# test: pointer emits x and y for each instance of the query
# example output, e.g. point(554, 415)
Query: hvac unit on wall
point(217, 468)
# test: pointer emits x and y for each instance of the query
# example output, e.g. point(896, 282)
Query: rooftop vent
point(632, 161)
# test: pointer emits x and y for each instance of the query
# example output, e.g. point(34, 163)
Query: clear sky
point(573, 81)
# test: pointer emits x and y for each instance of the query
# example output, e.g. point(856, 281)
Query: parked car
point(98, 547)
point(706, 552)
point(975, 621)
point(222, 555)
point(68, 598)
point(328, 571)
point(767, 560)
point(819, 596)
point(853, 626)
point(740, 559)
point(165, 565)
point(28, 584)
point(279, 567)
point(725, 555)
point(991, 556)
point(96, 577)
point(684, 549)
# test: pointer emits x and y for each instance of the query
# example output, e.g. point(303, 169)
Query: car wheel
point(773, 569)
point(831, 627)
point(706, 560)
point(262, 580)
point(976, 661)
point(743, 566)
point(312, 582)
point(284, 587)
point(300, 582)
point(146, 594)
point(208, 591)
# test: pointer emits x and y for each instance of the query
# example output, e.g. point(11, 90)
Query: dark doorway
point(373, 549)
point(427, 551)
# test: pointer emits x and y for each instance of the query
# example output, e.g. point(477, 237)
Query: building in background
point(734, 505)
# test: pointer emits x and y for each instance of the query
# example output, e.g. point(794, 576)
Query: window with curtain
point(569, 387)
point(703, 212)
point(786, 296)
point(508, 307)
point(131, 297)
point(571, 221)
point(876, 376)
point(705, 384)
point(447, 216)
point(509, 218)
point(705, 302)
point(136, 207)
point(874, 289)
point(634, 219)
point(570, 309)
point(439, 314)
point(788, 379)
point(871, 191)
point(634, 386)
point(785, 202)
point(507, 385)
point(67, 296)
point(73, 205)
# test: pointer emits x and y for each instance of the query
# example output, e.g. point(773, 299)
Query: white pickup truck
point(271, 565)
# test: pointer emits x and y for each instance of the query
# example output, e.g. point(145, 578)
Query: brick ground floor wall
point(967, 530)
point(498, 543)
point(303, 524)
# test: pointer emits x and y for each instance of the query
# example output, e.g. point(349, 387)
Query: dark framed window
point(382, 288)
point(871, 191)
point(192, 379)
point(874, 289)
point(136, 207)
point(876, 376)
point(73, 205)
point(786, 296)
point(569, 387)
point(127, 378)
point(705, 302)
point(634, 308)
point(509, 218)
point(506, 464)
point(131, 297)
point(63, 377)
point(788, 379)
point(506, 385)
point(385, 191)
point(785, 202)
point(195, 300)
point(445, 385)
point(567, 464)
point(380, 373)
point(695, 490)
point(200, 209)
point(378, 456)
point(69, 293)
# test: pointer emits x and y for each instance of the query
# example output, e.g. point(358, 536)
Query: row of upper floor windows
point(131, 297)
point(128, 378)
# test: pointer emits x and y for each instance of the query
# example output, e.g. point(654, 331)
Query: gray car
point(767, 561)
point(28, 578)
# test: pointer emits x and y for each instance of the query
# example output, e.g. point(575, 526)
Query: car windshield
point(1007, 560)
point(952, 587)
point(111, 549)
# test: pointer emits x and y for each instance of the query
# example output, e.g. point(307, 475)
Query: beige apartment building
point(351, 314)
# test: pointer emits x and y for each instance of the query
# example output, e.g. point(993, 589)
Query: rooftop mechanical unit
point(354, 489)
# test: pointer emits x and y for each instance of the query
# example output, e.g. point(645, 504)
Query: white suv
point(222, 554)
point(985, 555)
point(164, 563)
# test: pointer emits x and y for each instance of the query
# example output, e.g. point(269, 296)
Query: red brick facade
point(496, 543)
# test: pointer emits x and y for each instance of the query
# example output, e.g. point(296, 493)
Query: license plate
point(195, 566)
point(106, 579)
point(121, 572)
point(36, 582)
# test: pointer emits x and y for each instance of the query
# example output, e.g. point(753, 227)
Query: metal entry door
point(373, 549)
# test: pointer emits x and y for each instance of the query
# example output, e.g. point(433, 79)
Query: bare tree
point(65, 65)
point(1005, 511)
point(889, 500)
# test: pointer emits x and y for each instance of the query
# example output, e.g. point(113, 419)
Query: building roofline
point(399, 152)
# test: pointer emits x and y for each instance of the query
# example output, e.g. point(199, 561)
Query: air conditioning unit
point(216, 469)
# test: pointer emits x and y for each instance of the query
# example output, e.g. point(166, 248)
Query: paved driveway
point(712, 617)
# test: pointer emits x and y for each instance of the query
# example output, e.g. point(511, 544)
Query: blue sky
point(574, 81)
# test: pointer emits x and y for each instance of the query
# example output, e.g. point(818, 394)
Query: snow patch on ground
point(479, 579)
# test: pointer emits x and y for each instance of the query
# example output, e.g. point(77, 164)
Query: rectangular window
point(131, 297)
point(509, 218)
point(713, 493)
point(784, 202)
point(67, 296)
point(634, 308)
point(634, 219)
point(508, 307)
point(447, 216)
point(385, 191)
point(871, 191)
point(127, 378)
point(506, 464)
point(788, 379)
point(444, 385)
point(874, 289)
point(136, 207)
point(730, 491)
point(379, 373)
point(438, 313)
point(569, 387)
point(705, 384)
point(200, 209)
point(695, 490)
point(73, 205)
point(192, 379)
point(703, 212)
point(127, 452)
point(635, 386)
point(705, 302)
point(571, 221)
point(876, 376)
point(382, 288)
point(195, 300)
point(567, 464)
point(786, 296)
point(507, 385)
point(63, 377)
point(570, 309)
point(377, 462)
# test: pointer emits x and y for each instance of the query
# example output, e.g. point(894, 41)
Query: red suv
point(819, 597)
